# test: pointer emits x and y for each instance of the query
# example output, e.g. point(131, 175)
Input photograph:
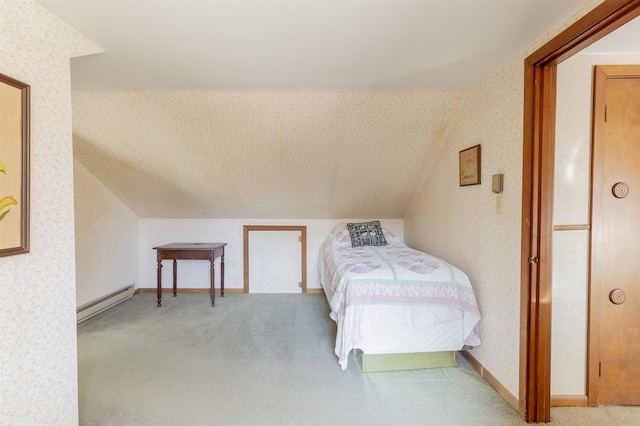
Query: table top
point(190, 246)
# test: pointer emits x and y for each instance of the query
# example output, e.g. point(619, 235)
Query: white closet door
point(275, 262)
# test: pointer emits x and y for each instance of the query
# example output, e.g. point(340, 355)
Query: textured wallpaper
point(195, 274)
point(460, 224)
point(106, 239)
point(313, 155)
point(38, 378)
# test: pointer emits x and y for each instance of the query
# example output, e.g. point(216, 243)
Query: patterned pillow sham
point(366, 234)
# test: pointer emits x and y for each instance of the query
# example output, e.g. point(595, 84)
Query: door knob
point(620, 190)
point(617, 296)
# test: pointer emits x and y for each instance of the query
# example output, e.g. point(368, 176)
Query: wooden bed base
point(408, 361)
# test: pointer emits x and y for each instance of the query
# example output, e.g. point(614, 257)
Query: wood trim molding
point(303, 244)
point(535, 321)
point(184, 290)
point(602, 20)
point(528, 234)
point(594, 278)
point(537, 196)
point(569, 401)
point(491, 380)
point(571, 227)
point(208, 290)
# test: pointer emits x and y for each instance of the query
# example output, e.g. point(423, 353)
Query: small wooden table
point(191, 251)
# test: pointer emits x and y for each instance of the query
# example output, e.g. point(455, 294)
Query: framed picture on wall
point(470, 166)
point(14, 166)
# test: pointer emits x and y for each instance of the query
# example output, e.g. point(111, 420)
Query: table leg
point(175, 277)
point(222, 274)
point(212, 274)
point(159, 282)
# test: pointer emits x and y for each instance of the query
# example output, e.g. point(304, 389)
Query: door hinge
point(606, 113)
point(300, 238)
point(600, 369)
point(300, 284)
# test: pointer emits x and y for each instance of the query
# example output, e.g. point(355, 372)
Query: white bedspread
point(393, 299)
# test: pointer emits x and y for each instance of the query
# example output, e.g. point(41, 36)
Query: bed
point(388, 298)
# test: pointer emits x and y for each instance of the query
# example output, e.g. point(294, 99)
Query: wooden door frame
point(537, 197)
point(303, 249)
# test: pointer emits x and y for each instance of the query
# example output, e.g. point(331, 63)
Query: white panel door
point(275, 262)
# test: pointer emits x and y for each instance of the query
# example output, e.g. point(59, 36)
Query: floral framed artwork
point(14, 166)
point(470, 166)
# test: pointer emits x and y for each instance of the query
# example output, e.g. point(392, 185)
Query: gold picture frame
point(470, 166)
point(14, 166)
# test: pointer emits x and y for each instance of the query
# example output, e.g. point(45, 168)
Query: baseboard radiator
point(95, 307)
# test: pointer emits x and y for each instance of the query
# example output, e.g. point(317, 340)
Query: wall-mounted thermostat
point(497, 182)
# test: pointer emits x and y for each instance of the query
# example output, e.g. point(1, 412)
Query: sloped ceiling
point(281, 109)
point(261, 154)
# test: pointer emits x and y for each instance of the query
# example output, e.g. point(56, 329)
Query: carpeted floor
point(267, 359)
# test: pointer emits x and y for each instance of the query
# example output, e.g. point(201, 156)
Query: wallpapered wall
point(106, 239)
point(38, 379)
point(571, 206)
point(217, 154)
point(460, 224)
point(114, 248)
point(195, 274)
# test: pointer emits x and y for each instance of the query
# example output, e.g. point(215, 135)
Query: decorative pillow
point(366, 234)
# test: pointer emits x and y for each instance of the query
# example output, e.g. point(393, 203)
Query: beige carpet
point(259, 359)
